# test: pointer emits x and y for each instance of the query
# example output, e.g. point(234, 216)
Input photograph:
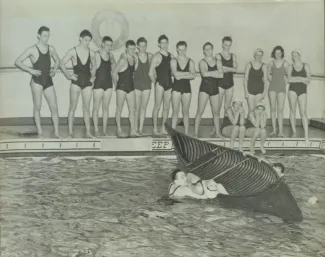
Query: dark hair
point(275, 49)
point(41, 29)
point(174, 173)
point(162, 37)
point(227, 38)
point(280, 165)
point(86, 33)
point(129, 43)
point(207, 44)
point(181, 43)
point(141, 40)
point(107, 38)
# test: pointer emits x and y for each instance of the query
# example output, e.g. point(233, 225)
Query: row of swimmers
point(136, 72)
point(190, 185)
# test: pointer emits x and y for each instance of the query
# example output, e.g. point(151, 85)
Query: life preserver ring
point(119, 18)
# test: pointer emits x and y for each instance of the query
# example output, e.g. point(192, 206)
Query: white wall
point(264, 24)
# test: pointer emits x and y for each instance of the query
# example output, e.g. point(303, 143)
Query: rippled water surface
point(94, 207)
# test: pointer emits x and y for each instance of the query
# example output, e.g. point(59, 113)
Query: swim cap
point(237, 100)
point(296, 51)
point(258, 50)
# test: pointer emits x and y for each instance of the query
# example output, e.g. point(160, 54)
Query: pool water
point(108, 207)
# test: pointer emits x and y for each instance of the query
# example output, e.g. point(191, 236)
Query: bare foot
point(134, 133)
point(294, 134)
point(273, 133)
point(120, 133)
point(307, 141)
point(57, 135)
point(240, 149)
point(252, 151)
point(97, 134)
point(155, 133)
point(213, 132)
point(219, 135)
point(196, 135)
point(89, 135)
point(140, 132)
point(163, 131)
point(263, 150)
point(281, 134)
point(40, 135)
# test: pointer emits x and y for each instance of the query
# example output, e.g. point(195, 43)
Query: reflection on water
point(87, 207)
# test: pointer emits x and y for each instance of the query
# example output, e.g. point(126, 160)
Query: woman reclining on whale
point(190, 185)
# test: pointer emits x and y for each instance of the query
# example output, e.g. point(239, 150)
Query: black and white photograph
point(162, 128)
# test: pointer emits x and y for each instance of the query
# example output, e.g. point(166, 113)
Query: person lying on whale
point(277, 166)
point(190, 185)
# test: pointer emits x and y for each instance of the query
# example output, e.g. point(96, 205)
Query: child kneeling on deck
point(190, 185)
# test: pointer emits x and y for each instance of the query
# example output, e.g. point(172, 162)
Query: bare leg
point(159, 94)
point(234, 135)
point(120, 99)
point(130, 100)
point(251, 103)
point(176, 102)
point(256, 134)
point(221, 96)
point(281, 101)
point(74, 98)
point(86, 98)
point(167, 98)
point(293, 105)
point(272, 98)
point(50, 96)
point(186, 102)
point(302, 102)
point(97, 100)
point(37, 93)
point(138, 96)
point(202, 102)
point(214, 104)
point(242, 130)
point(263, 139)
point(105, 105)
point(143, 108)
point(228, 97)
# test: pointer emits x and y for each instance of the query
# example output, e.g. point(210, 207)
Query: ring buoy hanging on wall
point(117, 17)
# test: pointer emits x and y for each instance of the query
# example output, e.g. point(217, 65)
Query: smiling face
point(258, 56)
point(163, 44)
point(181, 178)
point(295, 57)
point(107, 46)
point(237, 105)
point(278, 54)
point(142, 46)
point(208, 50)
point(226, 45)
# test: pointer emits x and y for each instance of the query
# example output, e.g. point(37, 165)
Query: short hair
point(226, 38)
point(42, 29)
point(162, 37)
point(85, 33)
point(181, 43)
point(174, 173)
point(141, 40)
point(107, 38)
point(129, 43)
point(279, 165)
point(275, 49)
point(207, 44)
